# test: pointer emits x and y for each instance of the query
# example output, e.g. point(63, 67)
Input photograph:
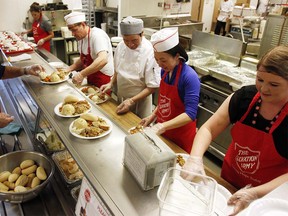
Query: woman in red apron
point(258, 153)
point(41, 27)
point(93, 42)
point(178, 93)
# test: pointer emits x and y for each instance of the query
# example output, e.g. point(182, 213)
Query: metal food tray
point(57, 157)
point(48, 150)
point(75, 192)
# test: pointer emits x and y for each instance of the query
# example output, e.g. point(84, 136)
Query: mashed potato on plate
point(68, 109)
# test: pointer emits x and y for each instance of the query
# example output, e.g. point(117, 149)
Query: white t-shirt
point(99, 41)
point(226, 9)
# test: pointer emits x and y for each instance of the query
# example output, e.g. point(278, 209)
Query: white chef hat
point(165, 39)
point(75, 17)
point(131, 25)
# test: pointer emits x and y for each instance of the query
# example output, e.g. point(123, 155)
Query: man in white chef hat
point(178, 93)
point(136, 72)
point(96, 57)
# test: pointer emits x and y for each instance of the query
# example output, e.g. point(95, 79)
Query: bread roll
point(89, 117)
point(91, 90)
point(71, 99)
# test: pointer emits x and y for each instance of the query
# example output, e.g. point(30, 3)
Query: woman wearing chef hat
point(136, 72)
point(96, 57)
point(178, 93)
point(41, 27)
point(258, 153)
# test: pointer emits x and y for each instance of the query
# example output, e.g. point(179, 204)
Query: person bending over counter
point(136, 72)
point(41, 27)
point(179, 91)
point(258, 154)
point(96, 57)
point(7, 72)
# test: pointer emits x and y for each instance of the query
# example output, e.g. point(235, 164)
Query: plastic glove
point(5, 119)
point(106, 87)
point(148, 120)
point(33, 70)
point(158, 128)
point(193, 164)
point(78, 79)
point(125, 106)
point(40, 42)
point(242, 198)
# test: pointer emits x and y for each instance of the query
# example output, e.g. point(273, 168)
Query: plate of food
point(87, 90)
point(98, 97)
point(72, 106)
point(136, 129)
point(54, 78)
point(90, 126)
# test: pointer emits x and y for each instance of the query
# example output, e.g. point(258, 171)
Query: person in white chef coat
point(225, 10)
point(136, 72)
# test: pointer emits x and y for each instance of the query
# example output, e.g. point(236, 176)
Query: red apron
point(251, 157)
point(170, 106)
point(98, 78)
point(39, 33)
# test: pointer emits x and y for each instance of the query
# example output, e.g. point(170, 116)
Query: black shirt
point(238, 106)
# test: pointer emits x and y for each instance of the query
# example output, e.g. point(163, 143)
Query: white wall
point(14, 12)
point(208, 9)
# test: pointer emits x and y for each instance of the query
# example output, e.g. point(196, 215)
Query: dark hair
point(178, 49)
point(35, 7)
point(275, 61)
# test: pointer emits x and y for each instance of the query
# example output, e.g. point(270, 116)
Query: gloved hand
point(40, 42)
point(78, 78)
point(242, 198)
point(5, 119)
point(106, 87)
point(33, 70)
point(148, 120)
point(125, 106)
point(158, 128)
point(193, 164)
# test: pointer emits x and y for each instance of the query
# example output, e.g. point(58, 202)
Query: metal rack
point(88, 7)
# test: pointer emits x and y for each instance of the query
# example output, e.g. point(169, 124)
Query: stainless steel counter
point(100, 159)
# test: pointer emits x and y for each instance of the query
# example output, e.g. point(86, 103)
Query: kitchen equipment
point(178, 196)
point(147, 158)
point(11, 160)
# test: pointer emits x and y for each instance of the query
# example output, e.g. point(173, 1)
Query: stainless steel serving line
point(100, 159)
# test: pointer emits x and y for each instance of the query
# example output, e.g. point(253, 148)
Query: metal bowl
point(11, 160)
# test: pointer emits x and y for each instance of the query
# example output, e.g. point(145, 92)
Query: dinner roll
point(91, 90)
point(42, 75)
point(80, 123)
point(95, 98)
point(70, 99)
point(89, 117)
point(68, 109)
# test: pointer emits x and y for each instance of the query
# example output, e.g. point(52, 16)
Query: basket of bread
point(23, 175)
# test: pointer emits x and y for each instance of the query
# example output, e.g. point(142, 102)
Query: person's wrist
point(24, 71)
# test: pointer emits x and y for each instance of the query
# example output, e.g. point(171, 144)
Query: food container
point(52, 143)
point(178, 196)
point(67, 166)
point(11, 160)
point(75, 192)
point(147, 158)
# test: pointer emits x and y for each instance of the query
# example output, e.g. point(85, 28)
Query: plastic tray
point(65, 155)
point(178, 196)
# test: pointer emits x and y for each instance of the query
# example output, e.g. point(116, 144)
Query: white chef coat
point(136, 70)
point(226, 9)
point(99, 41)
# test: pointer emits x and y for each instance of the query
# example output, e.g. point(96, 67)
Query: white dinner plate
point(100, 101)
point(96, 137)
point(52, 83)
point(268, 207)
point(57, 112)
point(96, 89)
point(56, 64)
